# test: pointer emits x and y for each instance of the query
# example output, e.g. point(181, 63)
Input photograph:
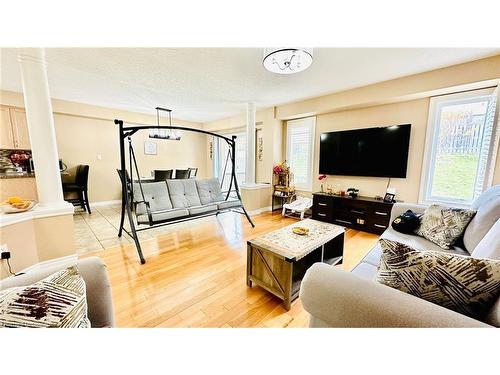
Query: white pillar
point(41, 127)
point(250, 155)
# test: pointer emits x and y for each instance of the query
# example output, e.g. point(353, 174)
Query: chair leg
point(86, 194)
point(82, 202)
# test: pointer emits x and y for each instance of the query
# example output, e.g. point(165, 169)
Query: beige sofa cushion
point(486, 216)
point(464, 284)
point(444, 225)
point(489, 247)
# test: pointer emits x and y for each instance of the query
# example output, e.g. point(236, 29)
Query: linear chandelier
point(172, 134)
point(287, 60)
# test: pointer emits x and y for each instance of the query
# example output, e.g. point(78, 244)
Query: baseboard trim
point(260, 211)
point(105, 203)
point(62, 262)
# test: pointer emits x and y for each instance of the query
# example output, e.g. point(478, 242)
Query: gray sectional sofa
point(177, 199)
point(336, 298)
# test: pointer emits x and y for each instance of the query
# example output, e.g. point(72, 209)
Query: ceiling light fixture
point(287, 60)
point(172, 134)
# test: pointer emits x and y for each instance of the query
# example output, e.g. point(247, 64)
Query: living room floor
point(195, 272)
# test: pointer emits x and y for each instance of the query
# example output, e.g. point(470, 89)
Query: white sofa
point(336, 298)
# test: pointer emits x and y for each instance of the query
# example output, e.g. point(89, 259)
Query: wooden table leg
point(288, 287)
point(249, 265)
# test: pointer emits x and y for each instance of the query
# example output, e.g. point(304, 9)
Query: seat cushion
point(202, 209)
point(183, 193)
point(209, 191)
point(231, 202)
point(443, 225)
point(365, 271)
point(487, 215)
point(58, 301)
point(156, 193)
point(464, 284)
point(163, 215)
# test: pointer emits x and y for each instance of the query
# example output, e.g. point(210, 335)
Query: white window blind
point(299, 151)
point(461, 146)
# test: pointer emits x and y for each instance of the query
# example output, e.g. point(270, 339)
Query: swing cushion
point(156, 194)
point(202, 209)
point(209, 191)
point(163, 215)
point(183, 193)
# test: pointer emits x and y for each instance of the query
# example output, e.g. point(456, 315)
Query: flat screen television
point(374, 152)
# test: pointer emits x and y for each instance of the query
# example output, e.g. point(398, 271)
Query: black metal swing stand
point(127, 181)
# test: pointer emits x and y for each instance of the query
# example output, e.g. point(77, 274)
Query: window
point(460, 147)
point(221, 152)
point(299, 151)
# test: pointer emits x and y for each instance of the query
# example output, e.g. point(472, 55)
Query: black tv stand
point(361, 213)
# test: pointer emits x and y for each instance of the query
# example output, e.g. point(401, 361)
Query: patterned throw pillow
point(467, 285)
point(58, 301)
point(444, 226)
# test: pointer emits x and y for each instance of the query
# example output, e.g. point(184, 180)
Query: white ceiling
point(204, 84)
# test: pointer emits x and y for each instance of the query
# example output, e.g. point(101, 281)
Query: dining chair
point(79, 186)
point(181, 174)
point(162, 175)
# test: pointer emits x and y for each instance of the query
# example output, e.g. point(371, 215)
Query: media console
point(361, 213)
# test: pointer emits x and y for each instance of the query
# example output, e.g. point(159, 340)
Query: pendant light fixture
point(172, 134)
point(287, 60)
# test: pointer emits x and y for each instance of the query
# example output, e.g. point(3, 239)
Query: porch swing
point(156, 204)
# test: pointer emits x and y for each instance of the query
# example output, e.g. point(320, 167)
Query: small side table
point(283, 197)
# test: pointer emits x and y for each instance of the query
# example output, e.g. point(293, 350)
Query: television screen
point(375, 152)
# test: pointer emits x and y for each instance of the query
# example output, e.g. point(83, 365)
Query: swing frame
point(128, 205)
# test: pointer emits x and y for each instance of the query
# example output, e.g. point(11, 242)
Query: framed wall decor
point(150, 148)
point(389, 197)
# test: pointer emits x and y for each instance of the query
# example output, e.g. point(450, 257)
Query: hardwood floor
point(195, 276)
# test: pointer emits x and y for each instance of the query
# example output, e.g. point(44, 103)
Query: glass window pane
point(458, 149)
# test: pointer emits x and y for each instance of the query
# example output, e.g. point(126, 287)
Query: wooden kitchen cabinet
point(14, 129)
point(6, 134)
point(20, 129)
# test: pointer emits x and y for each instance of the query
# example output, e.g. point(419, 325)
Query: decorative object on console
point(408, 222)
point(58, 301)
point(444, 226)
point(352, 192)
point(464, 284)
point(287, 60)
point(389, 198)
point(322, 178)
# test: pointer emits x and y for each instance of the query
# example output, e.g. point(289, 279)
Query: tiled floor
point(99, 230)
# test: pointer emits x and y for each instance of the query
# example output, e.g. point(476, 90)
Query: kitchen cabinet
point(14, 129)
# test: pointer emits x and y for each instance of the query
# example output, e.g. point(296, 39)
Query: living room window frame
point(428, 163)
point(311, 123)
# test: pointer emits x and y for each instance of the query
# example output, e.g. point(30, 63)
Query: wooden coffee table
point(277, 261)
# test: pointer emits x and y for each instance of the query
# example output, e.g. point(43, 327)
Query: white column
point(250, 155)
point(41, 127)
